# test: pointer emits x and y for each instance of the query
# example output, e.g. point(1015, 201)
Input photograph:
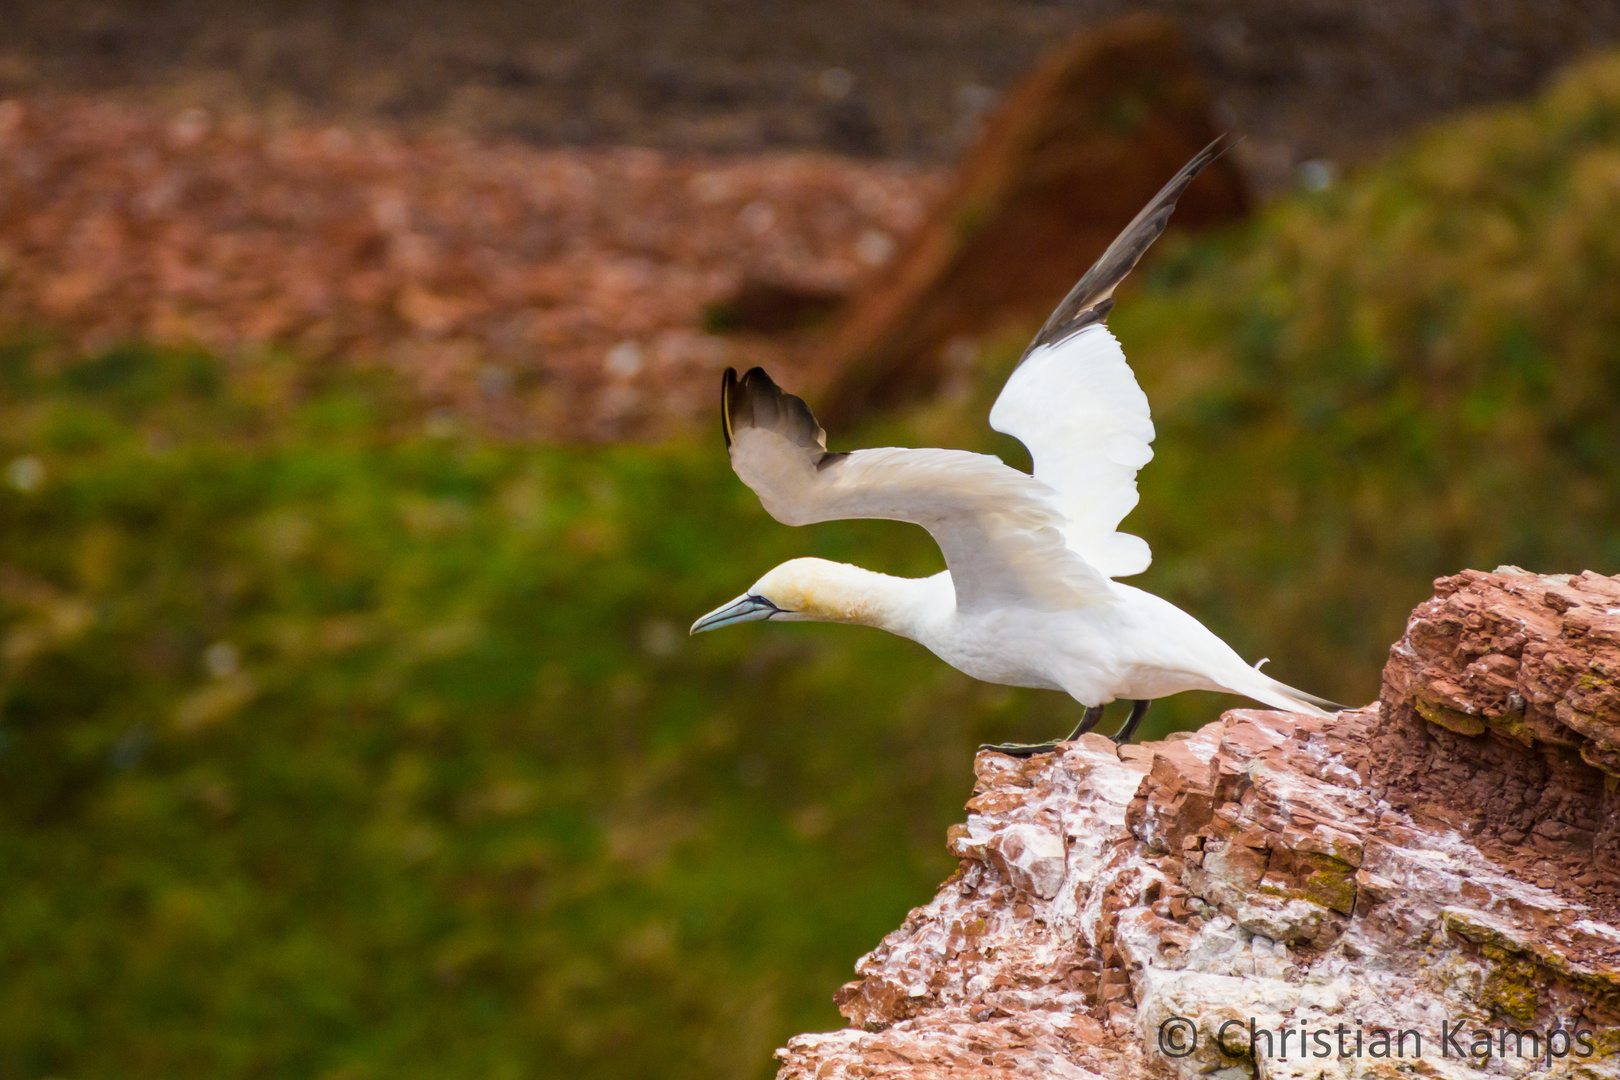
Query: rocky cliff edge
point(1429, 885)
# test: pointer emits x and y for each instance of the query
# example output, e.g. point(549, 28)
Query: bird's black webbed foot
point(1087, 722)
point(1138, 710)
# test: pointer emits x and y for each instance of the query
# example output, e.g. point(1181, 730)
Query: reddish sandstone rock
point(1375, 868)
point(1503, 715)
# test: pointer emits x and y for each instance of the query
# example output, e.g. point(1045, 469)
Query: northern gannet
point(1028, 597)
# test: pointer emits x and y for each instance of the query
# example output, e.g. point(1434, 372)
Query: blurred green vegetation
point(333, 748)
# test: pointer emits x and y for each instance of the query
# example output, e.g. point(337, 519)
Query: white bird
point(1028, 597)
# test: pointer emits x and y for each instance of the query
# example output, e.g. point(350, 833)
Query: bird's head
point(800, 590)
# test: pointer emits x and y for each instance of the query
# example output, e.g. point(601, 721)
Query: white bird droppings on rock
point(1250, 872)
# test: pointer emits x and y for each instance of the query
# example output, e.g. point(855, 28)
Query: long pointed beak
point(745, 608)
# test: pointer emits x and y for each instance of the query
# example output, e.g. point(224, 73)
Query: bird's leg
point(1087, 722)
point(1138, 710)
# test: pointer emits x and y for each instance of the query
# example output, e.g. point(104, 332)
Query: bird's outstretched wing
point(999, 529)
point(1077, 407)
point(1075, 404)
point(1093, 295)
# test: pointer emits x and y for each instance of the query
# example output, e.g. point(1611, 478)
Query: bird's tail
point(1280, 695)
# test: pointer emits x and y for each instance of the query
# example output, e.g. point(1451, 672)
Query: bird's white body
point(1132, 645)
point(1137, 649)
point(1029, 596)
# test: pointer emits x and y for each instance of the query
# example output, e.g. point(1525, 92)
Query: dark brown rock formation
point(1447, 855)
point(1077, 149)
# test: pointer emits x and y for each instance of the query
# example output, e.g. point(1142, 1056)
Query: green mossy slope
point(330, 751)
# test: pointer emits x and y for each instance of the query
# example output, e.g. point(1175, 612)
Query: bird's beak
point(746, 608)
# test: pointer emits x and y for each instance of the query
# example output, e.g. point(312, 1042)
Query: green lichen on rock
point(1596, 1065)
point(1317, 879)
point(1450, 719)
point(1512, 726)
point(1517, 971)
point(1510, 984)
point(1332, 883)
point(1594, 682)
point(1606, 756)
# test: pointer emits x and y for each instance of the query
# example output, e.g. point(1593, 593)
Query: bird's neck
point(850, 594)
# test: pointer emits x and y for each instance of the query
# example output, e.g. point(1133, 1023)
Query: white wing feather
point(998, 528)
point(1077, 407)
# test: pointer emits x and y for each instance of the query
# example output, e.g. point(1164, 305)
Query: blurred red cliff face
point(570, 294)
point(580, 294)
point(882, 78)
point(332, 200)
point(557, 293)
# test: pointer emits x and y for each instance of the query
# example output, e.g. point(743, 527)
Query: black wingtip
point(754, 400)
point(1091, 299)
point(728, 384)
point(1217, 146)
